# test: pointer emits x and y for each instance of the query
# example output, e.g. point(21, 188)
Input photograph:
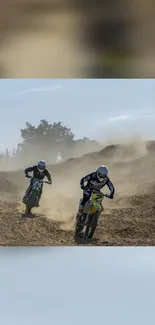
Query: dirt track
point(128, 220)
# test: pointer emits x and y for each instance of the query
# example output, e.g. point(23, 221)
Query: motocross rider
point(40, 172)
point(95, 180)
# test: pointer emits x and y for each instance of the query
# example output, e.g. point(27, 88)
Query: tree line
point(52, 142)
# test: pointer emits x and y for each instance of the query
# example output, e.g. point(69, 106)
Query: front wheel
point(31, 201)
point(91, 226)
point(28, 210)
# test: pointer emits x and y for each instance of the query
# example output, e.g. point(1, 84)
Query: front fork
point(101, 210)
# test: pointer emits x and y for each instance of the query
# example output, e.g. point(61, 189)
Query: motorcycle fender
point(87, 208)
point(93, 210)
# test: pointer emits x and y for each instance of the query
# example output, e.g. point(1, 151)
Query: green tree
point(45, 141)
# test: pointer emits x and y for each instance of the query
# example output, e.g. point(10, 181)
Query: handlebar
point(102, 194)
point(106, 195)
point(46, 182)
point(96, 191)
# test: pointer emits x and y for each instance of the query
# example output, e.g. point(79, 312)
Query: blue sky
point(66, 286)
point(97, 108)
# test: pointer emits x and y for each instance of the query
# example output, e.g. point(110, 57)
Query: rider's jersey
point(93, 181)
point(37, 174)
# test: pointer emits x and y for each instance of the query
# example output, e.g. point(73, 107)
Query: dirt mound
point(127, 220)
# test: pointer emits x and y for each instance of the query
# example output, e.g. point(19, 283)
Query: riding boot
point(26, 195)
point(80, 212)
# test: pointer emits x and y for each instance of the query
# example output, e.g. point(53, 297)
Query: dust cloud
point(131, 169)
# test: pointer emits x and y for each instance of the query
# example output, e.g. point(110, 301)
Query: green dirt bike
point(32, 199)
point(86, 224)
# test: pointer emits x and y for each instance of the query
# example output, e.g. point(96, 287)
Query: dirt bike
point(32, 199)
point(87, 222)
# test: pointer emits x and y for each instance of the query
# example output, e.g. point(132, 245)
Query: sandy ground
point(127, 220)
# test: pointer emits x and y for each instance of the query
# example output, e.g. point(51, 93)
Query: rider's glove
point(82, 187)
point(27, 176)
point(110, 196)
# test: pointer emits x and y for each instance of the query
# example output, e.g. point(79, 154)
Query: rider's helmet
point(102, 173)
point(41, 166)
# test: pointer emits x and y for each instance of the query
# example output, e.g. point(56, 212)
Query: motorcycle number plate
point(37, 185)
